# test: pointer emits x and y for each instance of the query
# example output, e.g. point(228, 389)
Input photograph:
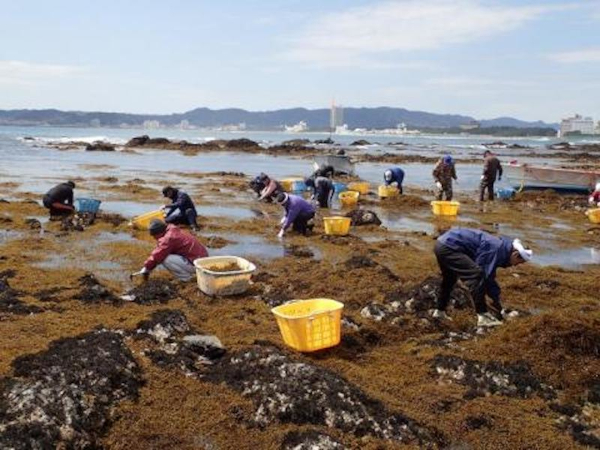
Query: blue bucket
point(339, 187)
point(87, 205)
point(298, 186)
point(505, 194)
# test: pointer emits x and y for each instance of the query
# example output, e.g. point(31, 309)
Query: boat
point(340, 163)
point(526, 176)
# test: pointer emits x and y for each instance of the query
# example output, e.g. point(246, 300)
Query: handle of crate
point(321, 311)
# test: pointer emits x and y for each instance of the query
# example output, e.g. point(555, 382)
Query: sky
point(534, 60)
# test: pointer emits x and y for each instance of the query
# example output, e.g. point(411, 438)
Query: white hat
point(598, 186)
point(525, 253)
point(387, 175)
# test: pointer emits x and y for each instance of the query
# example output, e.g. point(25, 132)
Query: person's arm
point(492, 289)
point(159, 254)
point(70, 198)
point(436, 172)
point(499, 170)
point(178, 203)
point(454, 171)
point(268, 190)
point(290, 217)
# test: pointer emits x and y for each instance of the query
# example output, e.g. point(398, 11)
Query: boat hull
point(523, 176)
point(340, 163)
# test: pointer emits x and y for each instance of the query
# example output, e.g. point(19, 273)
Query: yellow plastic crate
point(288, 183)
point(445, 208)
point(388, 191)
point(310, 325)
point(362, 187)
point(337, 225)
point(349, 199)
point(593, 215)
point(143, 222)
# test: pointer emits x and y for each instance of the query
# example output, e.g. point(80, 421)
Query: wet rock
point(375, 311)
point(176, 344)
point(243, 143)
point(310, 440)
point(578, 421)
point(361, 142)
point(33, 224)
point(289, 391)
point(153, 291)
point(137, 141)
point(100, 146)
point(328, 141)
point(92, 291)
point(424, 296)
point(113, 219)
point(217, 242)
point(298, 251)
point(77, 222)
point(363, 217)
point(296, 143)
point(485, 378)
point(10, 302)
point(62, 397)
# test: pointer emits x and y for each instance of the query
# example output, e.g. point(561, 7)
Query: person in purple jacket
point(473, 256)
point(298, 213)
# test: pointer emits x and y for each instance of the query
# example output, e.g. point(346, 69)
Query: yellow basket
point(445, 208)
point(348, 199)
point(362, 187)
point(310, 325)
point(388, 191)
point(593, 215)
point(143, 222)
point(337, 225)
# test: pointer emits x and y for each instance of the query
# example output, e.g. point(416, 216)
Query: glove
point(146, 273)
point(438, 184)
point(282, 220)
point(280, 234)
point(482, 177)
point(591, 201)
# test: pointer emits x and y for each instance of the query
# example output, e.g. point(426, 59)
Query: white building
point(583, 125)
point(151, 124)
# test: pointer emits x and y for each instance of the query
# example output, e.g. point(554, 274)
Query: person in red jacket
point(175, 249)
point(594, 199)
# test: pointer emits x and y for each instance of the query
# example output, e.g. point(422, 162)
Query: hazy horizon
point(486, 59)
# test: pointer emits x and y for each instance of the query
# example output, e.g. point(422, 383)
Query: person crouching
point(175, 250)
point(59, 199)
point(298, 213)
point(473, 256)
point(394, 175)
point(182, 210)
point(322, 190)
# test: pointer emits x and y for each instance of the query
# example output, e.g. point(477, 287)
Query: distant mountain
point(317, 119)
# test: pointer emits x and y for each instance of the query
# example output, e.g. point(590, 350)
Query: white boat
point(526, 176)
point(300, 127)
point(340, 163)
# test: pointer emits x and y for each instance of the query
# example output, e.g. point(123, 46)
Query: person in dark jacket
point(394, 175)
point(492, 169)
point(298, 213)
point(322, 190)
point(443, 174)
point(182, 209)
point(59, 199)
point(473, 256)
point(326, 171)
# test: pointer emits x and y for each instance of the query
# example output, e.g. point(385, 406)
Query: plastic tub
point(87, 205)
point(362, 187)
point(388, 191)
point(310, 325)
point(214, 282)
point(337, 225)
point(445, 208)
point(349, 199)
point(505, 194)
point(293, 185)
point(143, 222)
point(593, 215)
point(339, 187)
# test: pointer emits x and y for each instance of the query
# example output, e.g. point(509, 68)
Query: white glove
point(591, 201)
point(144, 271)
point(438, 184)
point(482, 177)
point(282, 220)
point(280, 234)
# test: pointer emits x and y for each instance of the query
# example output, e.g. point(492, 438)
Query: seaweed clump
point(10, 303)
point(61, 397)
point(93, 292)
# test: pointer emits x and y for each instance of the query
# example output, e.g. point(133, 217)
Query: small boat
point(526, 176)
point(340, 163)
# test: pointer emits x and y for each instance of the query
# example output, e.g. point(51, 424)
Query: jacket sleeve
point(290, 217)
point(453, 171)
point(436, 172)
point(499, 170)
point(179, 202)
point(159, 254)
point(492, 288)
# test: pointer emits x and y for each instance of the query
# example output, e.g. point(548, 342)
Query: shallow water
point(570, 258)
point(255, 246)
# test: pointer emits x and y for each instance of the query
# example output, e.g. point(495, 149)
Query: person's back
point(61, 193)
point(297, 203)
point(478, 245)
point(184, 201)
point(492, 168)
point(176, 242)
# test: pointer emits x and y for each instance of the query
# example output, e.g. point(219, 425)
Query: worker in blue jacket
point(394, 175)
point(473, 256)
point(182, 209)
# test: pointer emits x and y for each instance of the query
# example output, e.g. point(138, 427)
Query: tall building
point(336, 116)
point(583, 125)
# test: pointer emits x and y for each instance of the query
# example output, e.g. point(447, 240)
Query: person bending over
point(59, 199)
point(270, 188)
point(182, 210)
point(175, 250)
point(443, 174)
point(298, 213)
point(492, 170)
point(322, 190)
point(394, 175)
point(473, 256)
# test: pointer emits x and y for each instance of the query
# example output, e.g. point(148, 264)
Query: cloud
point(577, 56)
point(366, 33)
point(27, 73)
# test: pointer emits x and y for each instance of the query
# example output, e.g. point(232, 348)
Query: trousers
point(180, 267)
point(455, 265)
point(177, 218)
point(57, 208)
point(486, 185)
point(301, 223)
point(445, 190)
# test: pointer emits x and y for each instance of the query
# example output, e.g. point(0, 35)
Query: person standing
point(298, 213)
point(443, 174)
point(175, 250)
point(322, 190)
point(473, 256)
point(492, 169)
point(59, 199)
point(182, 209)
point(394, 175)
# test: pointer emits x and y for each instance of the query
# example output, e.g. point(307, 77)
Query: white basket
point(223, 283)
